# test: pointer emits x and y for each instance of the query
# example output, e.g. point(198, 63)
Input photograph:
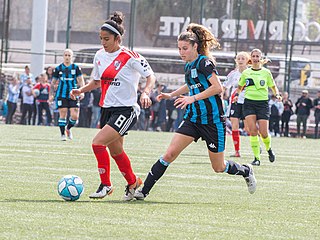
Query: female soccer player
point(235, 111)
point(257, 80)
point(204, 113)
point(68, 76)
point(117, 70)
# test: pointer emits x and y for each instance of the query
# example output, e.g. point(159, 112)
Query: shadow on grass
point(101, 202)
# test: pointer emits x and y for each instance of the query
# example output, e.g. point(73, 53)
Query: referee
point(257, 80)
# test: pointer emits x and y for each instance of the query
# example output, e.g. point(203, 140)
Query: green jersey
point(256, 82)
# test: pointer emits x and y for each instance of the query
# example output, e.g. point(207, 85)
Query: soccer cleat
point(139, 195)
point(256, 162)
point(236, 154)
point(69, 134)
point(102, 191)
point(63, 138)
point(272, 157)
point(251, 180)
point(130, 189)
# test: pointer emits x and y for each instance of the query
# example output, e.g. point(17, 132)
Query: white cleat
point(63, 138)
point(251, 180)
point(130, 189)
point(139, 195)
point(69, 134)
point(102, 191)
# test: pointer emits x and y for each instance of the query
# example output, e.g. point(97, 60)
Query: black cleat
point(272, 157)
point(256, 162)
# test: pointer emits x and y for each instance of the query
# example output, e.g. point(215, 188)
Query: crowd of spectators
point(24, 99)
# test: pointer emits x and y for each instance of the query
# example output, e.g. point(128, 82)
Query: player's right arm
point(93, 84)
point(180, 91)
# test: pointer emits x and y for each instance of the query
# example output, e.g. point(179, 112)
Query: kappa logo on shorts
point(211, 145)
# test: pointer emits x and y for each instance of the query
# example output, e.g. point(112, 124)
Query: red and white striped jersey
point(119, 73)
point(232, 82)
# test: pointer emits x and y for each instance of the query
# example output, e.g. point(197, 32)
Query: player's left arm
point(145, 95)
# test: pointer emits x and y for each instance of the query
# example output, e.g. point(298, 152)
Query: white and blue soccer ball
point(70, 187)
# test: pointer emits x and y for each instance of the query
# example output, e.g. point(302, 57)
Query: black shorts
point(258, 108)
point(213, 134)
point(236, 111)
point(121, 119)
point(67, 103)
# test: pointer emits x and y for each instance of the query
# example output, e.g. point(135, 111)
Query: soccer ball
point(36, 92)
point(70, 187)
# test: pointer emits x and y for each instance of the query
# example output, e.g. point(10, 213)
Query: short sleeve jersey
point(197, 75)
point(257, 82)
point(119, 73)
point(67, 77)
point(232, 81)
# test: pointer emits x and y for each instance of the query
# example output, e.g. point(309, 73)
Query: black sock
point(154, 175)
point(237, 169)
point(62, 129)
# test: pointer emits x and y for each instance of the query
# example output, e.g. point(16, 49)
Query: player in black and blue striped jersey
point(67, 76)
point(204, 112)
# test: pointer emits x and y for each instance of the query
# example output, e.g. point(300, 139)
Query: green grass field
point(189, 202)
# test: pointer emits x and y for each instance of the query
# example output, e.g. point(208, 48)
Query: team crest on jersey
point(262, 82)
point(117, 64)
point(194, 73)
point(73, 71)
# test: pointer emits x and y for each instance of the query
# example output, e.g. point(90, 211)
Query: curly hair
point(206, 40)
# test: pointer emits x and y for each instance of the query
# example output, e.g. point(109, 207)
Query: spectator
point(49, 73)
point(28, 101)
point(27, 74)
point(316, 104)
point(303, 106)
point(276, 110)
point(2, 102)
point(142, 117)
point(287, 112)
point(13, 95)
point(43, 99)
point(95, 97)
point(85, 111)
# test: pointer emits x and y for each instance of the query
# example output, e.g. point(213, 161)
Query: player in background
point(117, 70)
point(257, 80)
point(67, 76)
point(235, 109)
point(204, 117)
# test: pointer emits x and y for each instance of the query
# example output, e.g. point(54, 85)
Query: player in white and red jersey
point(235, 109)
point(117, 70)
